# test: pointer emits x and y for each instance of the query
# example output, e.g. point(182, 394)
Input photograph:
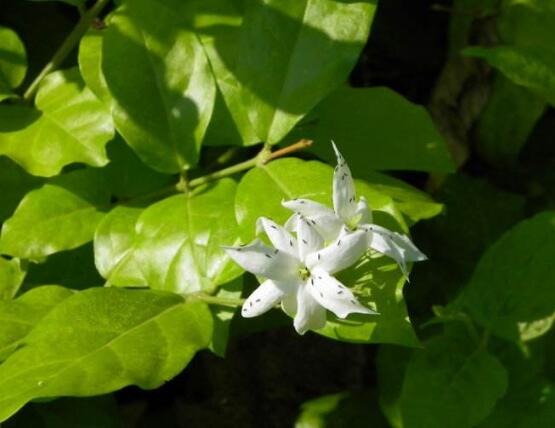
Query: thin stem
point(66, 47)
point(262, 158)
point(215, 300)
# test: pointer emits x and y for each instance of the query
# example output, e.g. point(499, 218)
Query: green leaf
point(163, 112)
point(11, 277)
point(13, 62)
point(518, 110)
point(532, 66)
point(19, 316)
point(93, 412)
point(101, 340)
point(512, 283)
point(288, 56)
point(224, 315)
point(90, 64)
point(130, 179)
point(60, 215)
point(261, 192)
point(379, 283)
point(451, 383)
point(14, 184)
point(73, 269)
point(177, 242)
point(354, 410)
point(70, 125)
point(365, 123)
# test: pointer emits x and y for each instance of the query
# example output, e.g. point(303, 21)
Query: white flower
point(353, 215)
point(299, 273)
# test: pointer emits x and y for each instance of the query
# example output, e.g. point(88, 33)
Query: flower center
point(304, 273)
point(353, 222)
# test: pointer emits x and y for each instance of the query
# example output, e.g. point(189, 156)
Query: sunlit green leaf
point(163, 111)
point(101, 340)
point(513, 280)
point(177, 242)
point(11, 277)
point(287, 57)
point(451, 383)
point(365, 124)
point(19, 316)
point(70, 125)
point(90, 64)
point(60, 215)
point(13, 62)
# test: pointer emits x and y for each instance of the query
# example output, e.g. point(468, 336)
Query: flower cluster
point(314, 244)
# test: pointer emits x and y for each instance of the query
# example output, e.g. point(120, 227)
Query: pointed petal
point(265, 261)
point(310, 315)
point(307, 207)
point(343, 189)
point(268, 294)
point(309, 239)
point(340, 254)
point(334, 296)
point(291, 223)
point(279, 237)
point(392, 244)
point(363, 212)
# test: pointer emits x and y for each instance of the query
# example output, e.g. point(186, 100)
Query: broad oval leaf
point(101, 340)
point(451, 383)
point(163, 111)
point(70, 125)
point(177, 242)
point(513, 282)
point(60, 215)
point(365, 123)
point(13, 62)
point(288, 56)
point(19, 316)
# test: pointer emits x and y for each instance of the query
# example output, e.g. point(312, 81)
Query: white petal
point(307, 207)
point(289, 303)
point(309, 239)
point(321, 217)
point(310, 315)
point(279, 237)
point(334, 296)
point(340, 254)
point(395, 245)
point(265, 297)
point(343, 189)
point(363, 212)
point(265, 261)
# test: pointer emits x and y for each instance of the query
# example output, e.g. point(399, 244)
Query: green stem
point(214, 300)
point(263, 157)
point(67, 46)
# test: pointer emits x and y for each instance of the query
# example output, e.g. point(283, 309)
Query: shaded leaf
point(60, 215)
point(70, 126)
point(14, 184)
point(365, 124)
point(451, 383)
point(93, 412)
point(103, 339)
point(163, 112)
point(13, 62)
point(513, 280)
